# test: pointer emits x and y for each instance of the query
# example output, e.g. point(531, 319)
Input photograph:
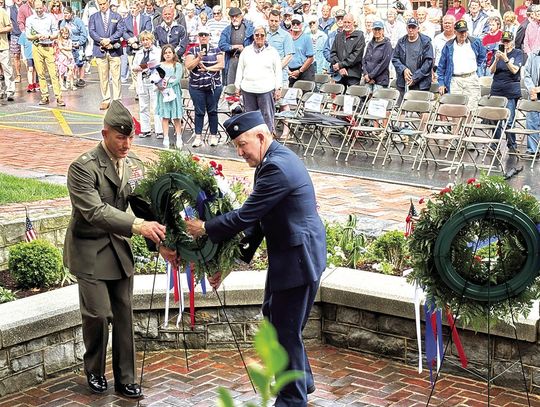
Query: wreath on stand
point(475, 248)
point(180, 185)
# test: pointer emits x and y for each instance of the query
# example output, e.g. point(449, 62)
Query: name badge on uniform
point(113, 20)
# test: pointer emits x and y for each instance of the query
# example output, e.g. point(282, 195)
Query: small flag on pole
point(30, 233)
point(409, 226)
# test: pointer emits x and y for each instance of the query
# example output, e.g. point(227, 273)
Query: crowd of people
point(262, 48)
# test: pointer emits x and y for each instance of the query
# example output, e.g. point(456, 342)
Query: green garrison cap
point(119, 118)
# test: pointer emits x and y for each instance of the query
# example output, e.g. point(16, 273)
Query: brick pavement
point(338, 196)
point(342, 377)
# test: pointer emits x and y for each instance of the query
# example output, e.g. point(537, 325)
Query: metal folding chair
point(482, 139)
point(521, 132)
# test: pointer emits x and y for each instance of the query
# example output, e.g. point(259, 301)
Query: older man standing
point(531, 42)
point(106, 29)
point(42, 30)
point(531, 81)
point(135, 23)
point(413, 59)
point(282, 195)
point(476, 20)
point(441, 39)
point(281, 40)
point(216, 25)
point(326, 21)
point(347, 52)
point(171, 32)
point(234, 38)
point(459, 62)
point(301, 65)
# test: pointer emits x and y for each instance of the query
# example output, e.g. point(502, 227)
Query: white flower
point(450, 185)
point(526, 188)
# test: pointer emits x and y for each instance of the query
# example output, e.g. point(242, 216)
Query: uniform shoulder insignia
point(86, 157)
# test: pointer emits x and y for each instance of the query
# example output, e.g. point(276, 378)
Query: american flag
point(30, 233)
point(409, 225)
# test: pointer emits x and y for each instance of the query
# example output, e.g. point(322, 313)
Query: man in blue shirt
point(301, 65)
point(282, 41)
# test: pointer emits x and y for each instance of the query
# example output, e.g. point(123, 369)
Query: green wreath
point(179, 185)
point(475, 245)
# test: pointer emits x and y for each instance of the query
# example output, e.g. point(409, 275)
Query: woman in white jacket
point(144, 61)
point(259, 77)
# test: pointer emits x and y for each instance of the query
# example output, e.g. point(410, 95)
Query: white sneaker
point(214, 140)
point(197, 142)
point(166, 142)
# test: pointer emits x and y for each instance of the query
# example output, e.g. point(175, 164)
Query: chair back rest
point(455, 111)
point(419, 95)
point(453, 99)
point(379, 107)
point(493, 101)
point(416, 106)
point(333, 88)
point(492, 113)
point(358, 90)
point(291, 97)
point(529, 106)
point(306, 86)
point(315, 102)
point(321, 78)
point(485, 81)
point(387, 93)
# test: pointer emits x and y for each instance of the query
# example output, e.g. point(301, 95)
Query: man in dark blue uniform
point(282, 208)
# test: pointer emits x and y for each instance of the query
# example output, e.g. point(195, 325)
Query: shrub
point(36, 264)
point(391, 247)
point(6, 295)
point(138, 245)
point(346, 247)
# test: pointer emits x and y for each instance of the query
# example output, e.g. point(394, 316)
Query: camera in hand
point(204, 49)
point(501, 47)
point(111, 46)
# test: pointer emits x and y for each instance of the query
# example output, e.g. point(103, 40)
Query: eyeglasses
point(203, 35)
point(259, 35)
point(312, 23)
point(296, 23)
point(217, 12)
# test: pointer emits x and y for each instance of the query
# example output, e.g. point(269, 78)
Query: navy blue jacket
point(283, 208)
point(376, 61)
point(175, 35)
point(114, 32)
point(225, 41)
point(422, 76)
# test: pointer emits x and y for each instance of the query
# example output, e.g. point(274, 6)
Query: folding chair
point(320, 79)
point(332, 90)
point(305, 86)
point(519, 128)
point(443, 130)
point(371, 125)
point(483, 137)
point(310, 102)
point(189, 109)
point(292, 98)
point(417, 114)
point(344, 108)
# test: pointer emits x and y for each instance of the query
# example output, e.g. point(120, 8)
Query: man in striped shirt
point(216, 25)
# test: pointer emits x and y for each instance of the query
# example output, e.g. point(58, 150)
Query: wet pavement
point(41, 142)
point(82, 117)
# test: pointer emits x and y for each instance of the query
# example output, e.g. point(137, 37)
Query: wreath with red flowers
point(180, 185)
point(471, 233)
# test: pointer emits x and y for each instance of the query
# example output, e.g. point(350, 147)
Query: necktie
point(135, 27)
point(105, 22)
point(118, 167)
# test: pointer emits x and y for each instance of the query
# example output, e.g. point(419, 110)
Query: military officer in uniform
point(98, 249)
point(282, 208)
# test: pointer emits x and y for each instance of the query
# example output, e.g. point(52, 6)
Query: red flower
point(195, 158)
point(219, 167)
point(421, 201)
point(445, 190)
point(471, 181)
point(406, 234)
point(213, 164)
point(478, 185)
point(477, 259)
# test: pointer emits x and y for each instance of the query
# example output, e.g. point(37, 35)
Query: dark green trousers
point(105, 302)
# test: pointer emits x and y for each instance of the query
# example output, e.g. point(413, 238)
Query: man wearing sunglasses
point(216, 25)
point(301, 65)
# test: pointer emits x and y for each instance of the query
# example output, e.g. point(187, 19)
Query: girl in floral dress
point(169, 98)
point(65, 61)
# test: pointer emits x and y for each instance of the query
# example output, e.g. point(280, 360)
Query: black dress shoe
point(311, 389)
point(131, 390)
point(98, 384)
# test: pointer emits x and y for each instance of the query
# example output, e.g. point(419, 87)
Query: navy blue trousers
point(288, 311)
